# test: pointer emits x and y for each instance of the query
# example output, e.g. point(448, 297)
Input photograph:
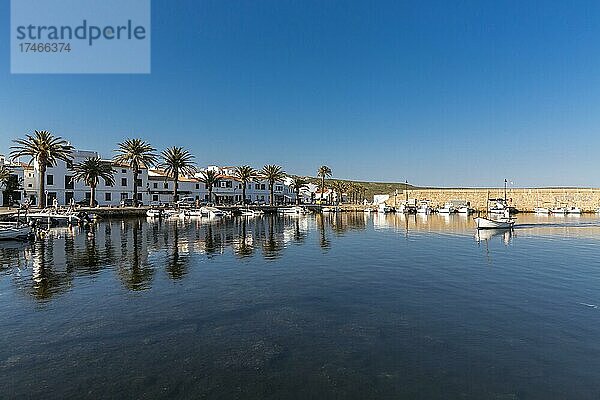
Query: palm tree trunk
point(243, 193)
point(135, 190)
point(271, 194)
point(92, 195)
point(175, 187)
point(42, 185)
point(297, 196)
point(322, 188)
point(209, 193)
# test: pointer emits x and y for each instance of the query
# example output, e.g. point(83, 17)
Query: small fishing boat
point(500, 223)
point(424, 208)
point(573, 210)
point(296, 210)
point(154, 213)
point(541, 210)
point(15, 230)
point(559, 210)
point(447, 209)
point(194, 212)
point(211, 212)
point(465, 210)
point(384, 209)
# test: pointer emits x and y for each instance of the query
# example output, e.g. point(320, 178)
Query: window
point(68, 182)
point(124, 196)
point(262, 186)
point(139, 196)
point(123, 181)
point(197, 186)
point(123, 171)
point(29, 185)
point(257, 187)
point(49, 179)
point(155, 196)
point(278, 188)
point(107, 197)
point(138, 183)
point(166, 185)
point(223, 184)
point(155, 185)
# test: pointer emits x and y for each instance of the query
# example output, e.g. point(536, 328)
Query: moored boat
point(541, 210)
point(488, 223)
point(384, 209)
point(154, 213)
point(296, 210)
point(15, 230)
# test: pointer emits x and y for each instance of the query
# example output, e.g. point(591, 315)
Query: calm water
point(348, 307)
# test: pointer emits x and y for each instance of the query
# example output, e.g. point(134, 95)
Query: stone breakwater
point(588, 199)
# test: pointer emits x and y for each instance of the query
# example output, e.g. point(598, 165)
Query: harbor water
point(340, 306)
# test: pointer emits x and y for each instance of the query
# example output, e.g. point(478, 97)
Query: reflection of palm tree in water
point(176, 263)
point(271, 246)
point(134, 273)
point(46, 281)
point(299, 235)
point(243, 249)
point(323, 241)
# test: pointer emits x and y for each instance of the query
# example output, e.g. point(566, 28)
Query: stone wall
point(588, 199)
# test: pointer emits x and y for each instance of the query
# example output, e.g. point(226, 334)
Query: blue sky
point(442, 93)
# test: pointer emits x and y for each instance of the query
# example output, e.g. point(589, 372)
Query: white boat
point(500, 223)
point(559, 210)
point(14, 230)
point(296, 210)
point(424, 208)
point(326, 209)
point(447, 209)
point(384, 208)
point(541, 210)
point(370, 210)
point(211, 212)
point(574, 210)
point(194, 213)
point(154, 213)
point(246, 212)
point(55, 215)
point(465, 210)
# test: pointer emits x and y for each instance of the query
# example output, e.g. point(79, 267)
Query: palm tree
point(5, 174)
point(272, 173)
point(245, 174)
point(90, 171)
point(298, 183)
point(211, 178)
point(323, 172)
point(137, 154)
point(46, 149)
point(340, 187)
point(177, 161)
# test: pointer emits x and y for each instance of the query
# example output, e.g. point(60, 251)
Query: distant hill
point(372, 187)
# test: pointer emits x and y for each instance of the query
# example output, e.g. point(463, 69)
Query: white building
point(153, 185)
